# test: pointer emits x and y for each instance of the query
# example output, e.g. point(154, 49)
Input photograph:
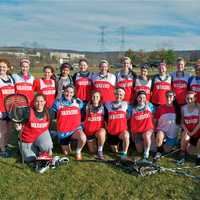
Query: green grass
point(92, 181)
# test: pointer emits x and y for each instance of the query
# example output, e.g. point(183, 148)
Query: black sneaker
point(157, 156)
point(100, 155)
point(198, 161)
point(181, 160)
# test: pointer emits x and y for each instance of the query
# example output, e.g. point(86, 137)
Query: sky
point(78, 24)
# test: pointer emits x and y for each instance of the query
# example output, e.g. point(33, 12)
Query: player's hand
point(18, 126)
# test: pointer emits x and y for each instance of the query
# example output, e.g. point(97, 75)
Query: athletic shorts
point(170, 141)
point(65, 138)
point(193, 141)
point(91, 137)
point(42, 144)
point(113, 139)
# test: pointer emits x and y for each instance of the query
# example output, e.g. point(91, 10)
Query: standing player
point(167, 119)
point(46, 86)
point(141, 124)
point(6, 88)
point(126, 78)
point(104, 82)
point(194, 82)
point(143, 82)
point(191, 127)
point(94, 125)
point(161, 83)
point(83, 81)
point(24, 81)
point(180, 81)
point(68, 115)
point(117, 123)
point(64, 79)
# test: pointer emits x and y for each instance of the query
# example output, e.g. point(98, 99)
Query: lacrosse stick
point(18, 110)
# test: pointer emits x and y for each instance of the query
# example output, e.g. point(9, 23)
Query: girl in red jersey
point(117, 123)
point(143, 82)
point(35, 134)
point(6, 88)
point(46, 86)
point(126, 78)
point(180, 81)
point(141, 123)
point(68, 114)
point(191, 127)
point(94, 125)
point(161, 83)
point(167, 119)
point(24, 81)
point(104, 82)
point(194, 82)
point(64, 79)
point(83, 81)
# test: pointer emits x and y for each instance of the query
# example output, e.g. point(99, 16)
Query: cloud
point(76, 24)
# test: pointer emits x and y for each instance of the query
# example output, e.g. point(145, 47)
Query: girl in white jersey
point(24, 80)
point(6, 88)
point(191, 127)
point(167, 118)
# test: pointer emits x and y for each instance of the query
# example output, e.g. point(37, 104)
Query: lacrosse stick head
point(17, 107)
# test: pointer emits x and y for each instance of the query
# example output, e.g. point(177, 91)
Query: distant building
point(66, 57)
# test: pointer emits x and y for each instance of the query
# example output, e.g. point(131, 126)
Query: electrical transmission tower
point(122, 41)
point(102, 38)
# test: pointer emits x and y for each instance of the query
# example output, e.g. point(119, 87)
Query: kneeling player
point(68, 112)
point(141, 123)
point(94, 125)
point(35, 132)
point(117, 123)
point(191, 127)
point(167, 120)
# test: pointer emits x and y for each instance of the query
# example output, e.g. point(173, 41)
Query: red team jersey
point(24, 87)
point(141, 121)
point(117, 120)
point(6, 88)
point(195, 86)
point(141, 85)
point(83, 86)
point(68, 117)
point(160, 87)
point(94, 121)
point(191, 120)
point(127, 84)
point(105, 85)
point(34, 128)
point(179, 86)
point(47, 88)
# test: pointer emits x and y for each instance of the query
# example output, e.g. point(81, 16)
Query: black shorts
point(113, 139)
point(193, 141)
point(91, 137)
point(66, 140)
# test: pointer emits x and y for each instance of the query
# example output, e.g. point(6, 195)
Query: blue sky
point(75, 24)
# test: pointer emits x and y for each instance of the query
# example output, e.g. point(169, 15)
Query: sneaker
point(146, 156)
point(157, 156)
point(79, 157)
point(198, 161)
point(100, 155)
point(123, 155)
point(181, 160)
point(4, 154)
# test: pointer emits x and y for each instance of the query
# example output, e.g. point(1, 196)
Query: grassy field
point(92, 181)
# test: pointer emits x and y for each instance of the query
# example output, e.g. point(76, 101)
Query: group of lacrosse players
point(154, 114)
